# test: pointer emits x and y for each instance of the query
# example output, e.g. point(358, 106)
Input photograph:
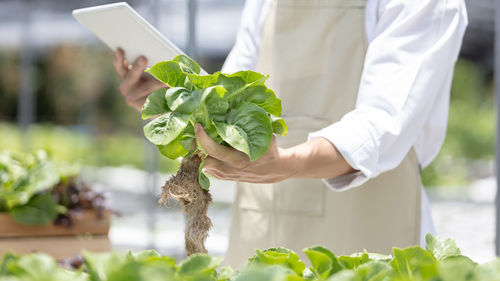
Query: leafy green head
point(236, 110)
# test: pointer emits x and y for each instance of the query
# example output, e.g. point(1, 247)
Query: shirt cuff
point(355, 145)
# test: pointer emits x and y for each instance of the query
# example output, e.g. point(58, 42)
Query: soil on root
point(184, 188)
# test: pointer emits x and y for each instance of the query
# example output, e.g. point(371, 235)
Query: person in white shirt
point(365, 86)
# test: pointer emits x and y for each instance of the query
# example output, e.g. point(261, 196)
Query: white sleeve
point(245, 52)
point(408, 66)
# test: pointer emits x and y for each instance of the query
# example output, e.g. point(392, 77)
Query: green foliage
point(235, 109)
point(166, 128)
point(225, 274)
point(24, 175)
point(277, 256)
point(458, 268)
point(75, 146)
point(248, 129)
point(413, 263)
point(279, 126)
point(199, 267)
point(355, 260)
point(324, 263)
point(275, 264)
point(34, 188)
point(36, 267)
point(371, 271)
point(25, 183)
point(268, 273)
point(40, 210)
point(150, 266)
point(489, 271)
point(100, 266)
point(156, 104)
point(441, 248)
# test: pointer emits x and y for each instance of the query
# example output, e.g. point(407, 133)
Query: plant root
point(184, 188)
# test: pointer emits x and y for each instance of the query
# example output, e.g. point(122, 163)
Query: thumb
point(213, 149)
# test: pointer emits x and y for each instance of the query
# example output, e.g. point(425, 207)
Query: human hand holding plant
point(227, 163)
point(317, 158)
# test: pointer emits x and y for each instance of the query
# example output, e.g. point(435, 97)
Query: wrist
point(317, 158)
point(288, 165)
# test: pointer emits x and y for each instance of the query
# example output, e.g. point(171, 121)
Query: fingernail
point(142, 61)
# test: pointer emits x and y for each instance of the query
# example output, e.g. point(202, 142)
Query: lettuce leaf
point(40, 210)
point(277, 256)
point(441, 248)
point(324, 263)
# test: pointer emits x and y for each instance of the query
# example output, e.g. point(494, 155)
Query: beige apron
point(314, 52)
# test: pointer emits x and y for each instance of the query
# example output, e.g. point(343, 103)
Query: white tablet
point(118, 25)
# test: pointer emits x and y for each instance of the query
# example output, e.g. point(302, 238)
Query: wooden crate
point(87, 232)
point(88, 223)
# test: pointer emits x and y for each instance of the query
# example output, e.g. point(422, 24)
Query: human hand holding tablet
point(121, 27)
point(136, 84)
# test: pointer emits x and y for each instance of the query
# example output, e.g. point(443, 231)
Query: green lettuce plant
point(275, 264)
point(36, 190)
point(236, 110)
point(25, 183)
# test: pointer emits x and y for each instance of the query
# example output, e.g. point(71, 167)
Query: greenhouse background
point(58, 91)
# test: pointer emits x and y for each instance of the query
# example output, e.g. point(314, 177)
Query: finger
point(221, 169)
point(138, 97)
point(214, 164)
point(137, 104)
point(118, 63)
point(133, 75)
point(235, 158)
point(126, 65)
point(213, 149)
point(143, 90)
point(222, 176)
point(214, 174)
